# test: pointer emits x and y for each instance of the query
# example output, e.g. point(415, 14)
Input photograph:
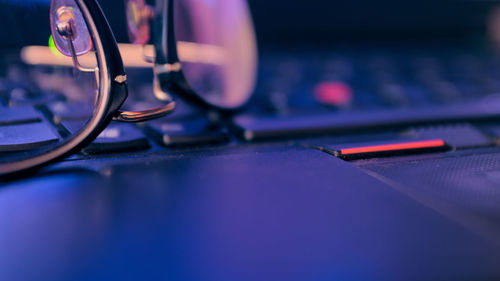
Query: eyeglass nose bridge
point(65, 26)
point(66, 22)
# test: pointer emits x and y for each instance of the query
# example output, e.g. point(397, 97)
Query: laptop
point(368, 151)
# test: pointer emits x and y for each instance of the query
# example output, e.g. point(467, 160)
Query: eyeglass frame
point(113, 90)
point(112, 93)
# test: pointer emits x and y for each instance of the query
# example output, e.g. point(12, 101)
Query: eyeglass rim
point(112, 93)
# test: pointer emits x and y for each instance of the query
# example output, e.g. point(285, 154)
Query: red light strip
point(394, 147)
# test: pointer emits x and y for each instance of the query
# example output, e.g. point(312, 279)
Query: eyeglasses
point(204, 52)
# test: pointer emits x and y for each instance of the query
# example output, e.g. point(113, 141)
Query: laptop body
point(328, 175)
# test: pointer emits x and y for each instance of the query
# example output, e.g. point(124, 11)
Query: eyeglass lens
point(217, 49)
point(215, 43)
point(45, 98)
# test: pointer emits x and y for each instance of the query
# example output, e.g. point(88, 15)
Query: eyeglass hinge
point(167, 68)
point(120, 79)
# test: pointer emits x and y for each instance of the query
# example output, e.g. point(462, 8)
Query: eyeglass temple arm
point(166, 50)
point(145, 115)
point(165, 40)
point(166, 60)
point(149, 114)
point(65, 29)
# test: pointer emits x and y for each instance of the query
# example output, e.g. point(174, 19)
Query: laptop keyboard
point(296, 96)
point(335, 93)
point(361, 81)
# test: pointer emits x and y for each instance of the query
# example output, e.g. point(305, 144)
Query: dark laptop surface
point(368, 152)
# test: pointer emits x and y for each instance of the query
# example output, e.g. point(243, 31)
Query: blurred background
point(324, 56)
point(308, 22)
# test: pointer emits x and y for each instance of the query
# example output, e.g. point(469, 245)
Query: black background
point(286, 21)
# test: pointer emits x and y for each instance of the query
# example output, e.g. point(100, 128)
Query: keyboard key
point(23, 137)
point(445, 91)
point(3, 92)
point(70, 111)
point(333, 93)
point(394, 94)
point(456, 136)
point(117, 137)
point(253, 127)
point(19, 96)
point(493, 131)
point(19, 115)
point(196, 131)
point(338, 68)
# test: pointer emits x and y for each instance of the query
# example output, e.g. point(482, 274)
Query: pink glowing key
point(333, 93)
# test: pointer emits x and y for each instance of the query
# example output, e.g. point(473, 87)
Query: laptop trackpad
point(462, 184)
point(293, 214)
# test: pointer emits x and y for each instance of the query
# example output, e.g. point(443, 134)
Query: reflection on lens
point(138, 16)
point(217, 49)
point(43, 103)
